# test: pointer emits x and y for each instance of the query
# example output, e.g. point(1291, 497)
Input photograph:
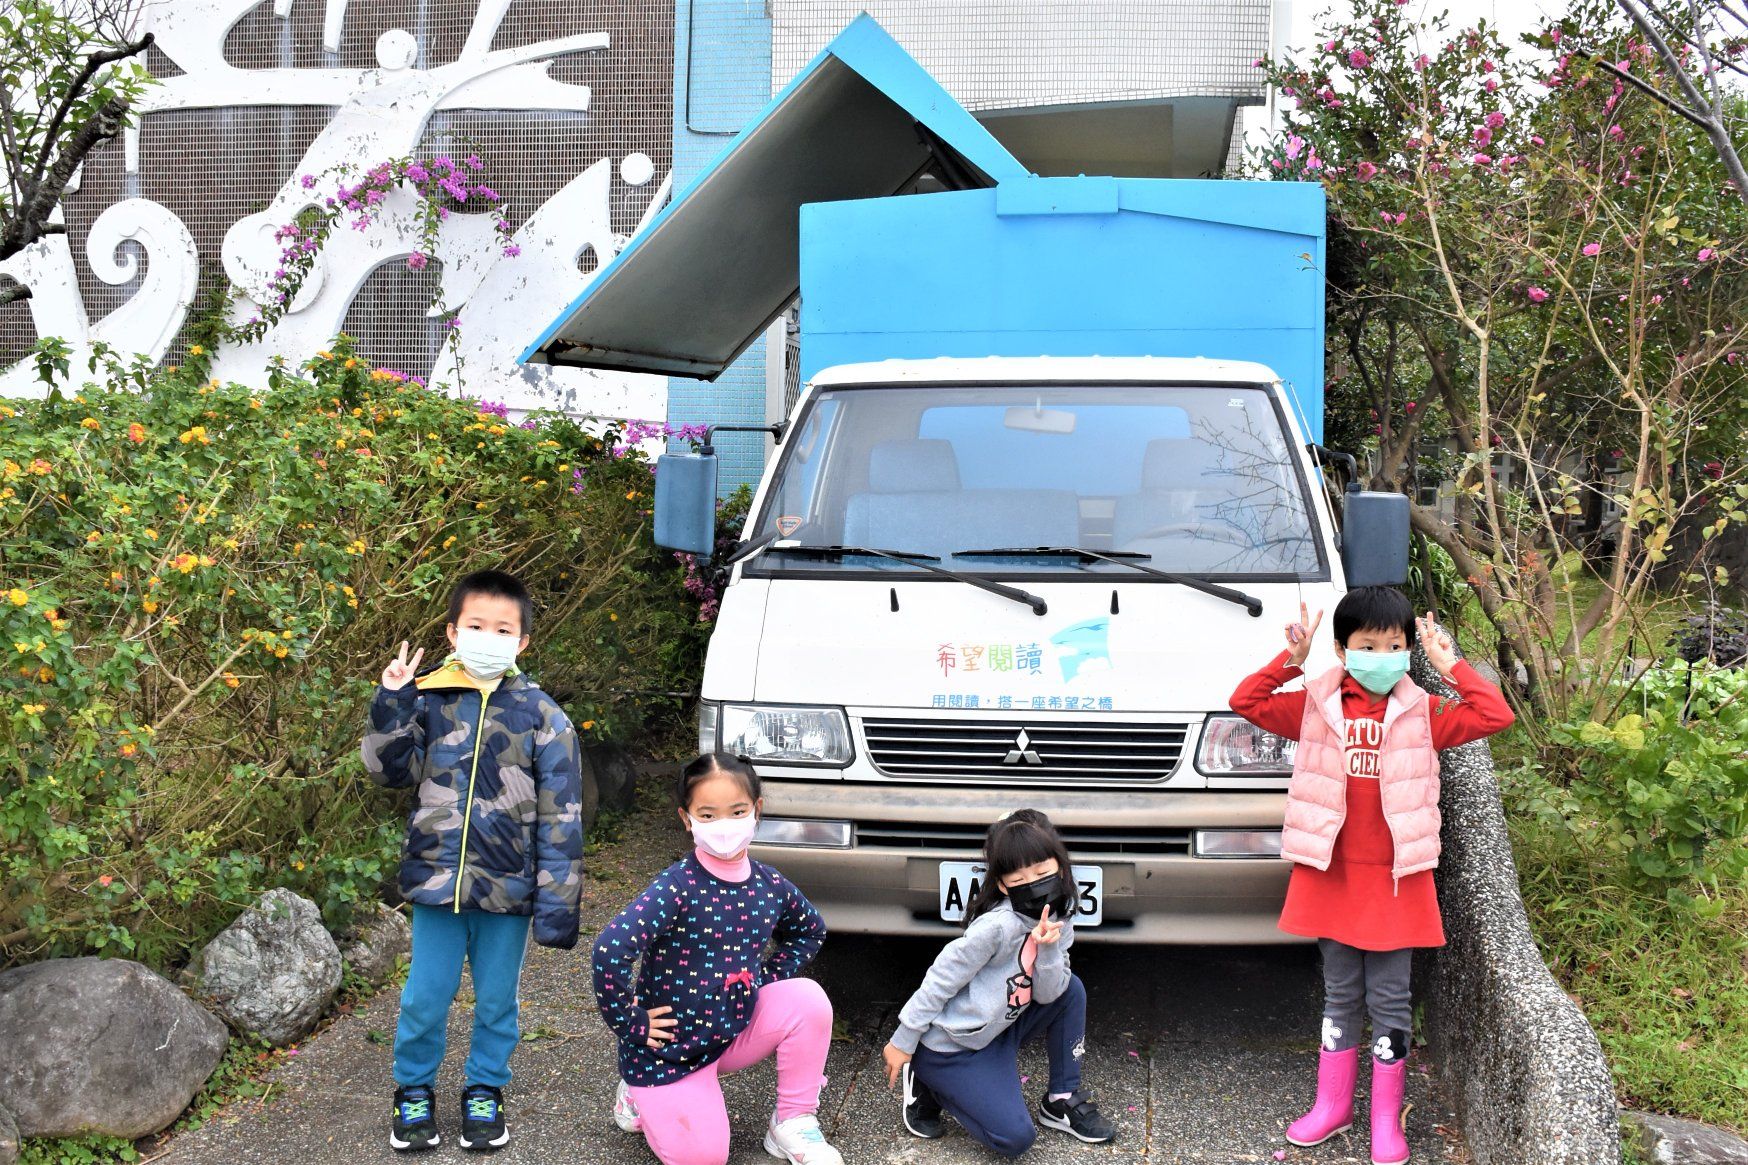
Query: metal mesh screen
point(213, 167)
point(998, 54)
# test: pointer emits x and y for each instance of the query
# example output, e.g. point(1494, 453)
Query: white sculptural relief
point(378, 114)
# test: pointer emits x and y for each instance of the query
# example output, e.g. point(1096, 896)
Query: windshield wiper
point(925, 562)
point(1123, 558)
point(748, 549)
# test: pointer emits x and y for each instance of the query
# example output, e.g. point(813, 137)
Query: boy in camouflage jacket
point(494, 844)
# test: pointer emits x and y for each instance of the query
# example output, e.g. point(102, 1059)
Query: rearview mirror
point(1039, 420)
point(1374, 538)
point(685, 502)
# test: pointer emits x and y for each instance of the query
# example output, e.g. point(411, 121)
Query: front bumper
point(1150, 897)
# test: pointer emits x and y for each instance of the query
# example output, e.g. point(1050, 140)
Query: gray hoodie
point(967, 998)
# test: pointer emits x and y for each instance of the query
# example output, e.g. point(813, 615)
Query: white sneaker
point(799, 1141)
point(625, 1113)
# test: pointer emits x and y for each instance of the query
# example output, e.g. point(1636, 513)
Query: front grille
point(1082, 842)
point(1018, 750)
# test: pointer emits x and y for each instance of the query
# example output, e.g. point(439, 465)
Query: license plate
point(960, 882)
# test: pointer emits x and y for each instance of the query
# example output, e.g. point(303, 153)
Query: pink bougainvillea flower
point(417, 260)
point(1358, 59)
point(1366, 171)
point(1536, 295)
point(1705, 253)
point(1593, 249)
point(511, 251)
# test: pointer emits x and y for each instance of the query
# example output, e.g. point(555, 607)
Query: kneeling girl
point(1006, 981)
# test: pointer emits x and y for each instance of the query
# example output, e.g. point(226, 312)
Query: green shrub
point(1669, 784)
point(202, 584)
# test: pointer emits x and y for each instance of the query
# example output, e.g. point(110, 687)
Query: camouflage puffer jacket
point(498, 825)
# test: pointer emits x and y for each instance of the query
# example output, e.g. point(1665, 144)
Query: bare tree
point(1717, 32)
point(70, 83)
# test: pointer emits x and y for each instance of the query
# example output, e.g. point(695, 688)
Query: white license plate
point(960, 882)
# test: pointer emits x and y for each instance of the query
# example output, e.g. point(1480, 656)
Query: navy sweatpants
point(981, 1089)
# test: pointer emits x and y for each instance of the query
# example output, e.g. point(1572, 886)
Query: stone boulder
point(99, 1046)
point(1670, 1140)
point(274, 971)
point(378, 939)
point(615, 776)
point(8, 1138)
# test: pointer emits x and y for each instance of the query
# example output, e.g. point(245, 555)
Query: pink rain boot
point(1389, 1139)
point(1333, 1112)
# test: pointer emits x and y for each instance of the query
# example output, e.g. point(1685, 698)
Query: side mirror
point(1374, 538)
point(685, 503)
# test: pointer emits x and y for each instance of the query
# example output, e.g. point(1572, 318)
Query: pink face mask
point(725, 837)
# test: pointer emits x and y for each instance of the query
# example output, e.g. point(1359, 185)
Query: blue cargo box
point(1072, 267)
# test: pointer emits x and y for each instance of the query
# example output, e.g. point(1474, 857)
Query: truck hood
point(1166, 648)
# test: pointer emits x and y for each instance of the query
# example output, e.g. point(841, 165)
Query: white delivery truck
point(1050, 491)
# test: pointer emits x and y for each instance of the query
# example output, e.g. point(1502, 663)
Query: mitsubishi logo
point(1022, 751)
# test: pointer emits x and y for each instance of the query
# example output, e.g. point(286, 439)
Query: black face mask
point(1031, 898)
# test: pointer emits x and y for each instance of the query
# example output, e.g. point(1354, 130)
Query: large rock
point(1670, 1140)
point(1515, 1054)
point(274, 971)
point(378, 939)
point(615, 776)
point(8, 1138)
point(99, 1046)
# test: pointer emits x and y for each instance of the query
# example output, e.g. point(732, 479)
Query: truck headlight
point(786, 734)
point(1232, 744)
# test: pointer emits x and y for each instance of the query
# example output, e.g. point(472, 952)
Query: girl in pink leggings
point(720, 939)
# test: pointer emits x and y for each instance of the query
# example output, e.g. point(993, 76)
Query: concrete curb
point(1516, 1056)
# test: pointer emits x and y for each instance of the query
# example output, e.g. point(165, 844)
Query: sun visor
point(719, 263)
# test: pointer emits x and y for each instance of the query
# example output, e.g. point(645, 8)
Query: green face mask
point(1377, 671)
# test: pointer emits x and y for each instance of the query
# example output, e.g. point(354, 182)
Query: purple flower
point(308, 181)
point(473, 162)
point(486, 192)
point(496, 408)
point(417, 260)
point(417, 172)
point(531, 423)
point(511, 251)
point(452, 323)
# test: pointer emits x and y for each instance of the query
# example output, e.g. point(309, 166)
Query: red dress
point(1356, 901)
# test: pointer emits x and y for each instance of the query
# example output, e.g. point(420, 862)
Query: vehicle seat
point(1174, 473)
point(914, 502)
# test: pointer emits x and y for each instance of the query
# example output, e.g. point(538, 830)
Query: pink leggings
point(686, 1122)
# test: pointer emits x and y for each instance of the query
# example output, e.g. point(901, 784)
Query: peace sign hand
point(1440, 652)
point(1047, 932)
point(1300, 634)
point(400, 670)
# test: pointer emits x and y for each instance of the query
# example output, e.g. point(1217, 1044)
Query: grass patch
point(1666, 988)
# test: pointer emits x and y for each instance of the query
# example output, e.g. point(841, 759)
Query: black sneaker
point(482, 1118)
point(1077, 1116)
point(415, 1122)
point(922, 1112)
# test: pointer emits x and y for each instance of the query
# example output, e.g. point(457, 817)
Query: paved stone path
point(1201, 1055)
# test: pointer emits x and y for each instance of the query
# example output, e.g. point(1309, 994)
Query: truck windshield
point(1200, 478)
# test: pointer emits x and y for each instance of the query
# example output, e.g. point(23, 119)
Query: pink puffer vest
point(1407, 775)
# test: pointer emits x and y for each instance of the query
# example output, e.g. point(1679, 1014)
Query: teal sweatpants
point(493, 946)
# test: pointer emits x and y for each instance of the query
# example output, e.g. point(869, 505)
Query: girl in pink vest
point(1362, 829)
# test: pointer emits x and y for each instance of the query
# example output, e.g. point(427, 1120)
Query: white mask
point(725, 837)
point(485, 654)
